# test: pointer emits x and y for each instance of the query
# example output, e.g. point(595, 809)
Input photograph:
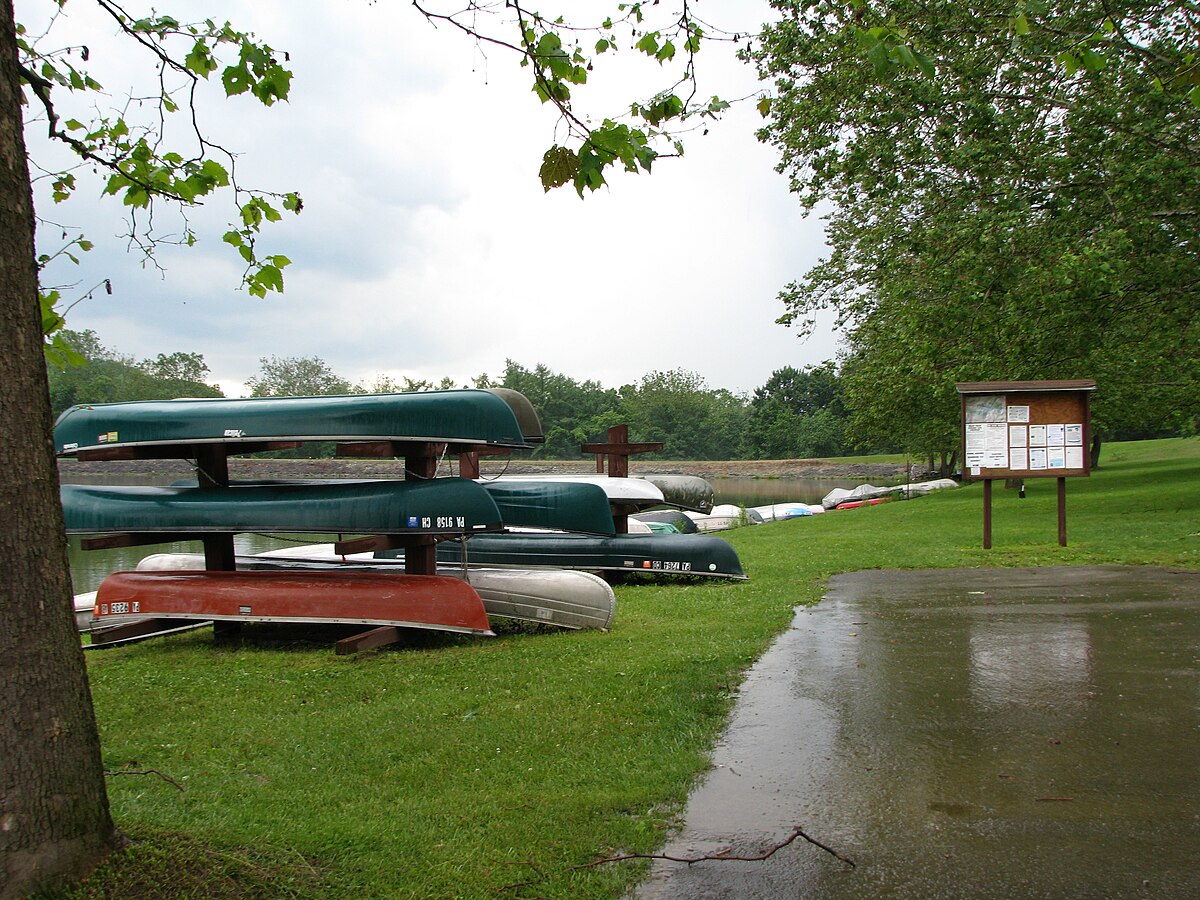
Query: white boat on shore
point(724, 516)
point(777, 512)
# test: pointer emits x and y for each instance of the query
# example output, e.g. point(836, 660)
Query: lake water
point(89, 568)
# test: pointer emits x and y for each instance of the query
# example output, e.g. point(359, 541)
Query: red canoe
point(435, 602)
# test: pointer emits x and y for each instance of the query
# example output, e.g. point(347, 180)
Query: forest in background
point(797, 414)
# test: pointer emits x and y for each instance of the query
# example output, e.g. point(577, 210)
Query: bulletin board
point(1026, 429)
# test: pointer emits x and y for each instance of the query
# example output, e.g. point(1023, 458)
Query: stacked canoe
point(435, 551)
point(413, 513)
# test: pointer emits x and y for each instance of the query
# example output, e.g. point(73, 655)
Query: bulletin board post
point(1026, 429)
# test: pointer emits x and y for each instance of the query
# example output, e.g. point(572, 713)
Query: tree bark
point(55, 824)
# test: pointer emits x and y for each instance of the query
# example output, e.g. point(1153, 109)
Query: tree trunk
point(1094, 462)
point(54, 818)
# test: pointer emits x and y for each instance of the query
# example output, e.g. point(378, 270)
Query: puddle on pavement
point(1009, 732)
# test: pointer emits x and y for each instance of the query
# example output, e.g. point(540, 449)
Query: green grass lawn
point(482, 767)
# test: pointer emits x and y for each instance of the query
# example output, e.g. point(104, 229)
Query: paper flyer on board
point(1037, 458)
point(1018, 414)
point(1073, 435)
point(1018, 436)
point(1074, 457)
point(1019, 459)
point(1037, 435)
point(976, 445)
point(1054, 436)
point(996, 445)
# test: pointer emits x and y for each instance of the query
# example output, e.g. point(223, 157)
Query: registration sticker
point(109, 437)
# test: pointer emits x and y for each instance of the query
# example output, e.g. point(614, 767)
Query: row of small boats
point(518, 548)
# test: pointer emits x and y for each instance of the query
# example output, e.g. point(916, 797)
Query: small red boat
point(433, 602)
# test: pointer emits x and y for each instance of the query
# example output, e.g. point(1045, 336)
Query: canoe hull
point(458, 416)
point(448, 506)
point(659, 554)
point(566, 599)
point(360, 598)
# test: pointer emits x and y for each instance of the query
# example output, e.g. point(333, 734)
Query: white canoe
point(775, 512)
point(724, 516)
point(634, 492)
point(84, 604)
point(567, 599)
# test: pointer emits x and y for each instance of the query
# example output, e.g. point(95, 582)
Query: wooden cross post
point(618, 449)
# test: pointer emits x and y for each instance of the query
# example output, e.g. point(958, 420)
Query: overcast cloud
point(427, 247)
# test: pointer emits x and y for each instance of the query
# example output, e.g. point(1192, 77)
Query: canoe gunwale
point(175, 449)
point(121, 619)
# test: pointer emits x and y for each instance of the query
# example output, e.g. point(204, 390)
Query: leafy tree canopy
point(1017, 202)
point(152, 150)
point(107, 376)
point(295, 376)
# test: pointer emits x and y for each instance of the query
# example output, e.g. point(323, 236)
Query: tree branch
point(724, 856)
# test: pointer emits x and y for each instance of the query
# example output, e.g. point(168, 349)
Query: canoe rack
point(421, 461)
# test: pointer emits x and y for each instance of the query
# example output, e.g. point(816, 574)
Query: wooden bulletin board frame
point(1026, 429)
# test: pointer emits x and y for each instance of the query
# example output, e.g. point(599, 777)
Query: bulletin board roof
point(999, 387)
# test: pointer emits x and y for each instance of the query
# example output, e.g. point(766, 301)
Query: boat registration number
point(437, 522)
point(672, 566)
point(120, 608)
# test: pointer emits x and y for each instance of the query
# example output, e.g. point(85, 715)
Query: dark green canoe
point(528, 504)
point(449, 506)
point(553, 504)
point(461, 416)
point(670, 554)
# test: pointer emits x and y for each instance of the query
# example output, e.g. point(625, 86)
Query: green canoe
point(449, 506)
point(460, 416)
point(669, 554)
point(526, 504)
point(552, 504)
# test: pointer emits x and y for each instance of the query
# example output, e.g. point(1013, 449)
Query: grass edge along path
point(480, 768)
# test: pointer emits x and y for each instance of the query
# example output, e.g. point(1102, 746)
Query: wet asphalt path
point(982, 732)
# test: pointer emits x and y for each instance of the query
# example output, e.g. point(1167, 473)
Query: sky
point(427, 247)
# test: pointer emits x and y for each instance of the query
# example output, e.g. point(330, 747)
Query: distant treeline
point(798, 414)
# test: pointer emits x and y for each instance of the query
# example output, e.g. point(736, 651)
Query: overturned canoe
point(664, 554)
point(686, 491)
point(623, 492)
point(560, 505)
point(675, 517)
point(566, 599)
point(308, 597)
point(450, 506)
point(535, 504)
point(460, 416)
point(775, 512)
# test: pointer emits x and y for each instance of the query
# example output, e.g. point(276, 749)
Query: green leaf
point(559, 166)
point(236, 80)
point(648, 44)
point(1092, 60)
point(764, 106)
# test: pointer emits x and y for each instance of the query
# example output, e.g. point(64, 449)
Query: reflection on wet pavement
point(994, 732)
